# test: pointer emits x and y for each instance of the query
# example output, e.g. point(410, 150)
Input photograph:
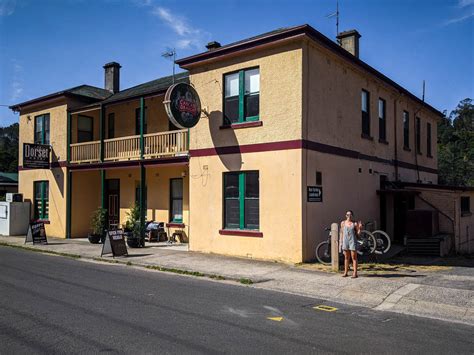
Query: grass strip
point(44, 251)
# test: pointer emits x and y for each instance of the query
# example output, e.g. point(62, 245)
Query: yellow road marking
point(325, 308)
point(276, 319)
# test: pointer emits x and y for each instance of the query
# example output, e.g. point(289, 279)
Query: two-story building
point(295, 130)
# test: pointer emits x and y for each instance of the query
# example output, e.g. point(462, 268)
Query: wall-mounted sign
point(36, 233)
point(36, 156)
point(315, 194)
point(183, 106)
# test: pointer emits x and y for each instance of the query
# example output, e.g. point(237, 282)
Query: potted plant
point(132, 228)
point(98, 226)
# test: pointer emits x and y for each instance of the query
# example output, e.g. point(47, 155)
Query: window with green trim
point(41, 202)
point(111, 125)
point(85, 129)
point(241, 200)
point(242, 96)
point(42, 129)
point(137, 121)
point(137, 195)
point(176, 200)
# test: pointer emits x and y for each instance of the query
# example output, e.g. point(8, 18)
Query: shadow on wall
point(58, 173)
point(225, 142)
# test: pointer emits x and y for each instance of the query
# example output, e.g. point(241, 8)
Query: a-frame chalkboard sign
point(114, 244)
point(36, 233)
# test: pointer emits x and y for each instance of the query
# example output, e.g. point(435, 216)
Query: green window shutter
point(241, 96)
point(242, 200)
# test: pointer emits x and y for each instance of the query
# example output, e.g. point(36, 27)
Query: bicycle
point(365, 244)
point(382, 239)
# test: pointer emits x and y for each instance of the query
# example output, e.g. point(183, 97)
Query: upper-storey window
point(365, 105)
point(137, 121)
point(242, 96)
point(42, 129)
point(428, 139)
point(418, 135)
point(85, 129)
point(406, 130)
point(111, 125)
point(382, 121)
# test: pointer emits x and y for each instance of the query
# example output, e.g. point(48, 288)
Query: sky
point(51, 45)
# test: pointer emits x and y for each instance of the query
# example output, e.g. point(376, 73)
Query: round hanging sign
point(182, 105)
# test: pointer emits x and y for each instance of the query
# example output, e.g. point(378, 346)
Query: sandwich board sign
point(36, 233)
point(114, 243)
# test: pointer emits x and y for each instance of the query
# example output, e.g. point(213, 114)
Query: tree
point(456, 146)
point(9, 148)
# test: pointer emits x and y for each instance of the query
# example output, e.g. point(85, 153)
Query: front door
point(113, 203)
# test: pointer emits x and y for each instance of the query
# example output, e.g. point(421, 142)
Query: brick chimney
point(112, 77)
point(349, 40)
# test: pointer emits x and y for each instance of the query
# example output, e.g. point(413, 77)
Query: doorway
point(112, 199)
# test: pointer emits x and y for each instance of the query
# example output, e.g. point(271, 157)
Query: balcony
point(156, 145)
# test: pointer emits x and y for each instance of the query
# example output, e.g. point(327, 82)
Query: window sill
point(175, 225)
point(242, 125)
point(466, 214)
point(241, 233)
point(419, 153)
point(407, 149)
point(429, 156)
point(365, 136)
point(45, 221)
point(383, 141)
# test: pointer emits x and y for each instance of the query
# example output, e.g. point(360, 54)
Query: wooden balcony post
point(101, 131)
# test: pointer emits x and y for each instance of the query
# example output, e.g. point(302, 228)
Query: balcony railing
point(156, 145)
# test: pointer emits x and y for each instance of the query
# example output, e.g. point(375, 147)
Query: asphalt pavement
point(51, 304)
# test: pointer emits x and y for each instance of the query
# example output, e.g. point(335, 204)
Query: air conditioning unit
point(14, 197)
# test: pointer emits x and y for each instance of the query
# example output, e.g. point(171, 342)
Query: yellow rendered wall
point(158, 191)
point(280, 98)
point(280, 205)
point(332, 106)
point(86, 198)
point(57, 196)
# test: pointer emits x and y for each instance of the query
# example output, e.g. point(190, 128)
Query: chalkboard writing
point(114, 244)
point(315, 194)
point(36, 233)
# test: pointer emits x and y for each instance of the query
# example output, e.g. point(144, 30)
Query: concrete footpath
point(445, 293)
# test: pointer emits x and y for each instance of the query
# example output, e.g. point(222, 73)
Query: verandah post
point(142, 199)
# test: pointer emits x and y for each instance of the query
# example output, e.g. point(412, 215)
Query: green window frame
point(41, 200)
point(176, 200)
point(241, 96)
point(42, 129)
point(137, 121)
point(111, 125)
point(241, 200)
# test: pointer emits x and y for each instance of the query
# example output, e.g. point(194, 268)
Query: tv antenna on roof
point(336, 15)
point(170, 53)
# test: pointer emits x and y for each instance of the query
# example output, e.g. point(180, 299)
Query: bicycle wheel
point(383, 242)
point(366, 243)
point(323, 253)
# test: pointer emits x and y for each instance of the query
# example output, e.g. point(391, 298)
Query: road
point(51, 304)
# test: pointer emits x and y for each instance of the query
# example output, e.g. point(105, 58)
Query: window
point(137, 121)
point(406, 130)
point(418, 135)
point(428, 139)
point(111, 126)
point(42, 129)
point(241, 200)
point(382, 121)
point(365, 113)
point(85, 129)
point(41, 202)
point(137, 196)
point(465, 205)
point(242, 96)
point(176, 200)
point(319, 178)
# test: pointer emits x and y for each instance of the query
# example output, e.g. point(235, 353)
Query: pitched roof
point(84, 91)
point(8, 178)
point(288, 32)
point(150, 87)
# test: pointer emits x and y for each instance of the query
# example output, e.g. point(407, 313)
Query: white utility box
point(14, 218)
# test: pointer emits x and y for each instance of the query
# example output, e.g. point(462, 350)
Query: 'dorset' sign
point(183, 105)
point(36, 156)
